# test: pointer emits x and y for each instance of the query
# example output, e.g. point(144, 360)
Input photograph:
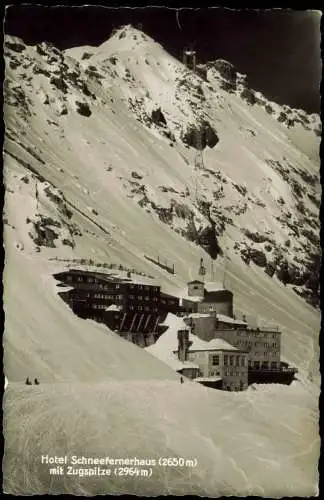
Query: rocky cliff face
point(208, 157)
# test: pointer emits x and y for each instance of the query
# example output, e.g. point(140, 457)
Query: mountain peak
point(126, 38)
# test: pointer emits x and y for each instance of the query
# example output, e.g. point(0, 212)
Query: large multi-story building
point(263, 345)
point(218, 361)
point(132, 306)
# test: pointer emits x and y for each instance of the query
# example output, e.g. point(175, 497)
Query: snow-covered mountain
point(117, 153)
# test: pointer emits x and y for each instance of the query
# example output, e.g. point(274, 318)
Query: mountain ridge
point(245, 195)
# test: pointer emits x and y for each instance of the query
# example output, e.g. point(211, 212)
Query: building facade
point(200, 298)
point(169, 303)
point(228, 363)
point(220, 301)
point(196, 288)
point(134, 308)
point(263, 346)
point(206, 325)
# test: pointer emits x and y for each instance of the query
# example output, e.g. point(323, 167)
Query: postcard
point(162, 251)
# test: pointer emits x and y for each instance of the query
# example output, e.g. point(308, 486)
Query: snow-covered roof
point(117, 276)
point(187, 364)
point(214, 286)
point(208, 379)
point(183, 295)
point(141, 280)
point(221, 344)
point(65, 288)
point(213, 345)
point(174, 322)
point(167, 344)
point(199, 315)
point(228, 319)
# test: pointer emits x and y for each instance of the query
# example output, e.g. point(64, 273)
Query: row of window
point(232, 373)
point(249, 343)
point(107, 296)
point(266, 344)
point(263, 364)
point(102, 286)
point(234, 360)
point(267, 354)
point(144, 287)
point(141, 297)
point(91, 279)
point(142, 308)
point(207, 309)
point(244, 333)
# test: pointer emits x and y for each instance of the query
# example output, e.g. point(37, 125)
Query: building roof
point(115, 276)
point(86, 272)
point(168, 295)
point(213, 345)
point(186, 364)
point(214, 286)
point(183, 295)
point(208, 379)
point(221, 344)
point(229, 320)
point(65, 289)
point(141, 280)
point(200, 315)
point(175, 322)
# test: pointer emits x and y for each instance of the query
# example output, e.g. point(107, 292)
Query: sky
point(278, 49)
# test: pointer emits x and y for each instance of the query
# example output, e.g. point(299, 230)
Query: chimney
point(183, 344)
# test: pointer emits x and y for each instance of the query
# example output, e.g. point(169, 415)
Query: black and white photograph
point(161, 227)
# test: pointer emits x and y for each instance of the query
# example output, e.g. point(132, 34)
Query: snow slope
point(263, 442)
point(90, 174)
